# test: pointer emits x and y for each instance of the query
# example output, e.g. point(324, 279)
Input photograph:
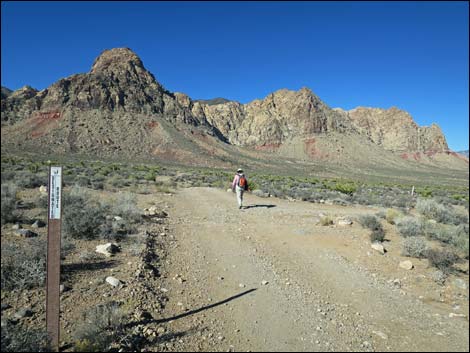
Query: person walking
point(240, 185)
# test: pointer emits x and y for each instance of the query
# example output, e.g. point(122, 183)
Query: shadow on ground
point(256, 206)
point(195, 311)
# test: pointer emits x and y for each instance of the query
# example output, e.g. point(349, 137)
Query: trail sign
point(53, 256)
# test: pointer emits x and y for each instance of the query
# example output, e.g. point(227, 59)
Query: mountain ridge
point(121, 102)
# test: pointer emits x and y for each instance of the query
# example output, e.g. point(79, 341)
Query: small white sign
point(55, 195)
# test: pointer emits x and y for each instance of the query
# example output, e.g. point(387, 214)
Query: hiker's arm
point(234, 183)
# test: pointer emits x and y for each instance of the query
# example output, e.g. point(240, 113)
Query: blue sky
point(413, 55)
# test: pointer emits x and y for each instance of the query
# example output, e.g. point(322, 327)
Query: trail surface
point(268, 278)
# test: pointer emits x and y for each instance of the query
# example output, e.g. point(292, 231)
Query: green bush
point(82, 214)
point(346, 188)
point(8, 198)
point(392, 215)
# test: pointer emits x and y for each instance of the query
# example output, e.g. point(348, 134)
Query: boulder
point(378, 247)
point(26, 233)
point(38, 224)
point(108, 249)
point(113, 281)
point(344, 222)
point(406, 265)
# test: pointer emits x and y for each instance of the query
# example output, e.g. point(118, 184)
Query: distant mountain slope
point(464, 153)
point(213, 101)
point(6, 92)
point(120, 109)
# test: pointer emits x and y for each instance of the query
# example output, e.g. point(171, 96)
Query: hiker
point(240, 185)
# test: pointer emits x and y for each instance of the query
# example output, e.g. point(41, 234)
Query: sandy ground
point(269, 278)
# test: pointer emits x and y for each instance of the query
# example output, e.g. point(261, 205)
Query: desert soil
point(270, 278)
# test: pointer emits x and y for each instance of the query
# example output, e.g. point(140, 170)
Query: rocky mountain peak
point(117, 59)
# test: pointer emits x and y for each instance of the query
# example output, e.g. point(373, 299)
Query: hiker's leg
point(239, 197)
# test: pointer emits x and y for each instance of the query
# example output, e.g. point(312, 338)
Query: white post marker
point(53, 256)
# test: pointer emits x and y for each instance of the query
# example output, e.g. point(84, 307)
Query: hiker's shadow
point(255, 206)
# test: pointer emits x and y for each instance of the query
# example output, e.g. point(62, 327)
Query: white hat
point(239, 170)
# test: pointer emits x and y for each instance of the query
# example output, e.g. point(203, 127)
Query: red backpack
point(243, 183)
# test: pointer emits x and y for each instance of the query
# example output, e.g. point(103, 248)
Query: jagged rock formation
point(395, 130)
point(6, 92)
point(120, 107)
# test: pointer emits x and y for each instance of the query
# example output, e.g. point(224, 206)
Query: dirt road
point(268, 278)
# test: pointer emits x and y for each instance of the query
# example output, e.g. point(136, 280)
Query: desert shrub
point(326, 220)
point(460, 239)
point(439, 277)
point(25, 179)
point(16, 338)
point(377, 235)
point(401, 201)
point(442, 259)
point(381, 214)
point(150, 176)
point(23, 267)
point(101, 326)
point(82, 215)
point(82, 180)
point(345, 188)
point(414, 247)
point(433, 210)
point(97, 185)
point(252, 185)
point(371, 222)
point(8, 198)
point(125, 206)
point(440, 232)
point(7, 176)
point(116, 229)
point(392, 215)
point(409, 226)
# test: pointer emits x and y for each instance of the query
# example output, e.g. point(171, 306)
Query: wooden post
point(53, 256)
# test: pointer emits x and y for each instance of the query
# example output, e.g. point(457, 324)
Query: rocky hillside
point(395, 130)
point(6, 92)
point(118, 107)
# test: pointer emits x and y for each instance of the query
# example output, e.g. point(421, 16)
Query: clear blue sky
point(413, 55)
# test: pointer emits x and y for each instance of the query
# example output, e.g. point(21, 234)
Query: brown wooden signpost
point(53, 256)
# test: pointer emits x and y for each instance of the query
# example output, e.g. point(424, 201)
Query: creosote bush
point(326, 221)
point(392, 215)
point(409, 226)
point(429, 208)
point(442, 259)
point(371, 222)
point(101, 326)
point(82, 214)
point(8, 199)
point(16, 338)
point(415, 247)
point(23, 267)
